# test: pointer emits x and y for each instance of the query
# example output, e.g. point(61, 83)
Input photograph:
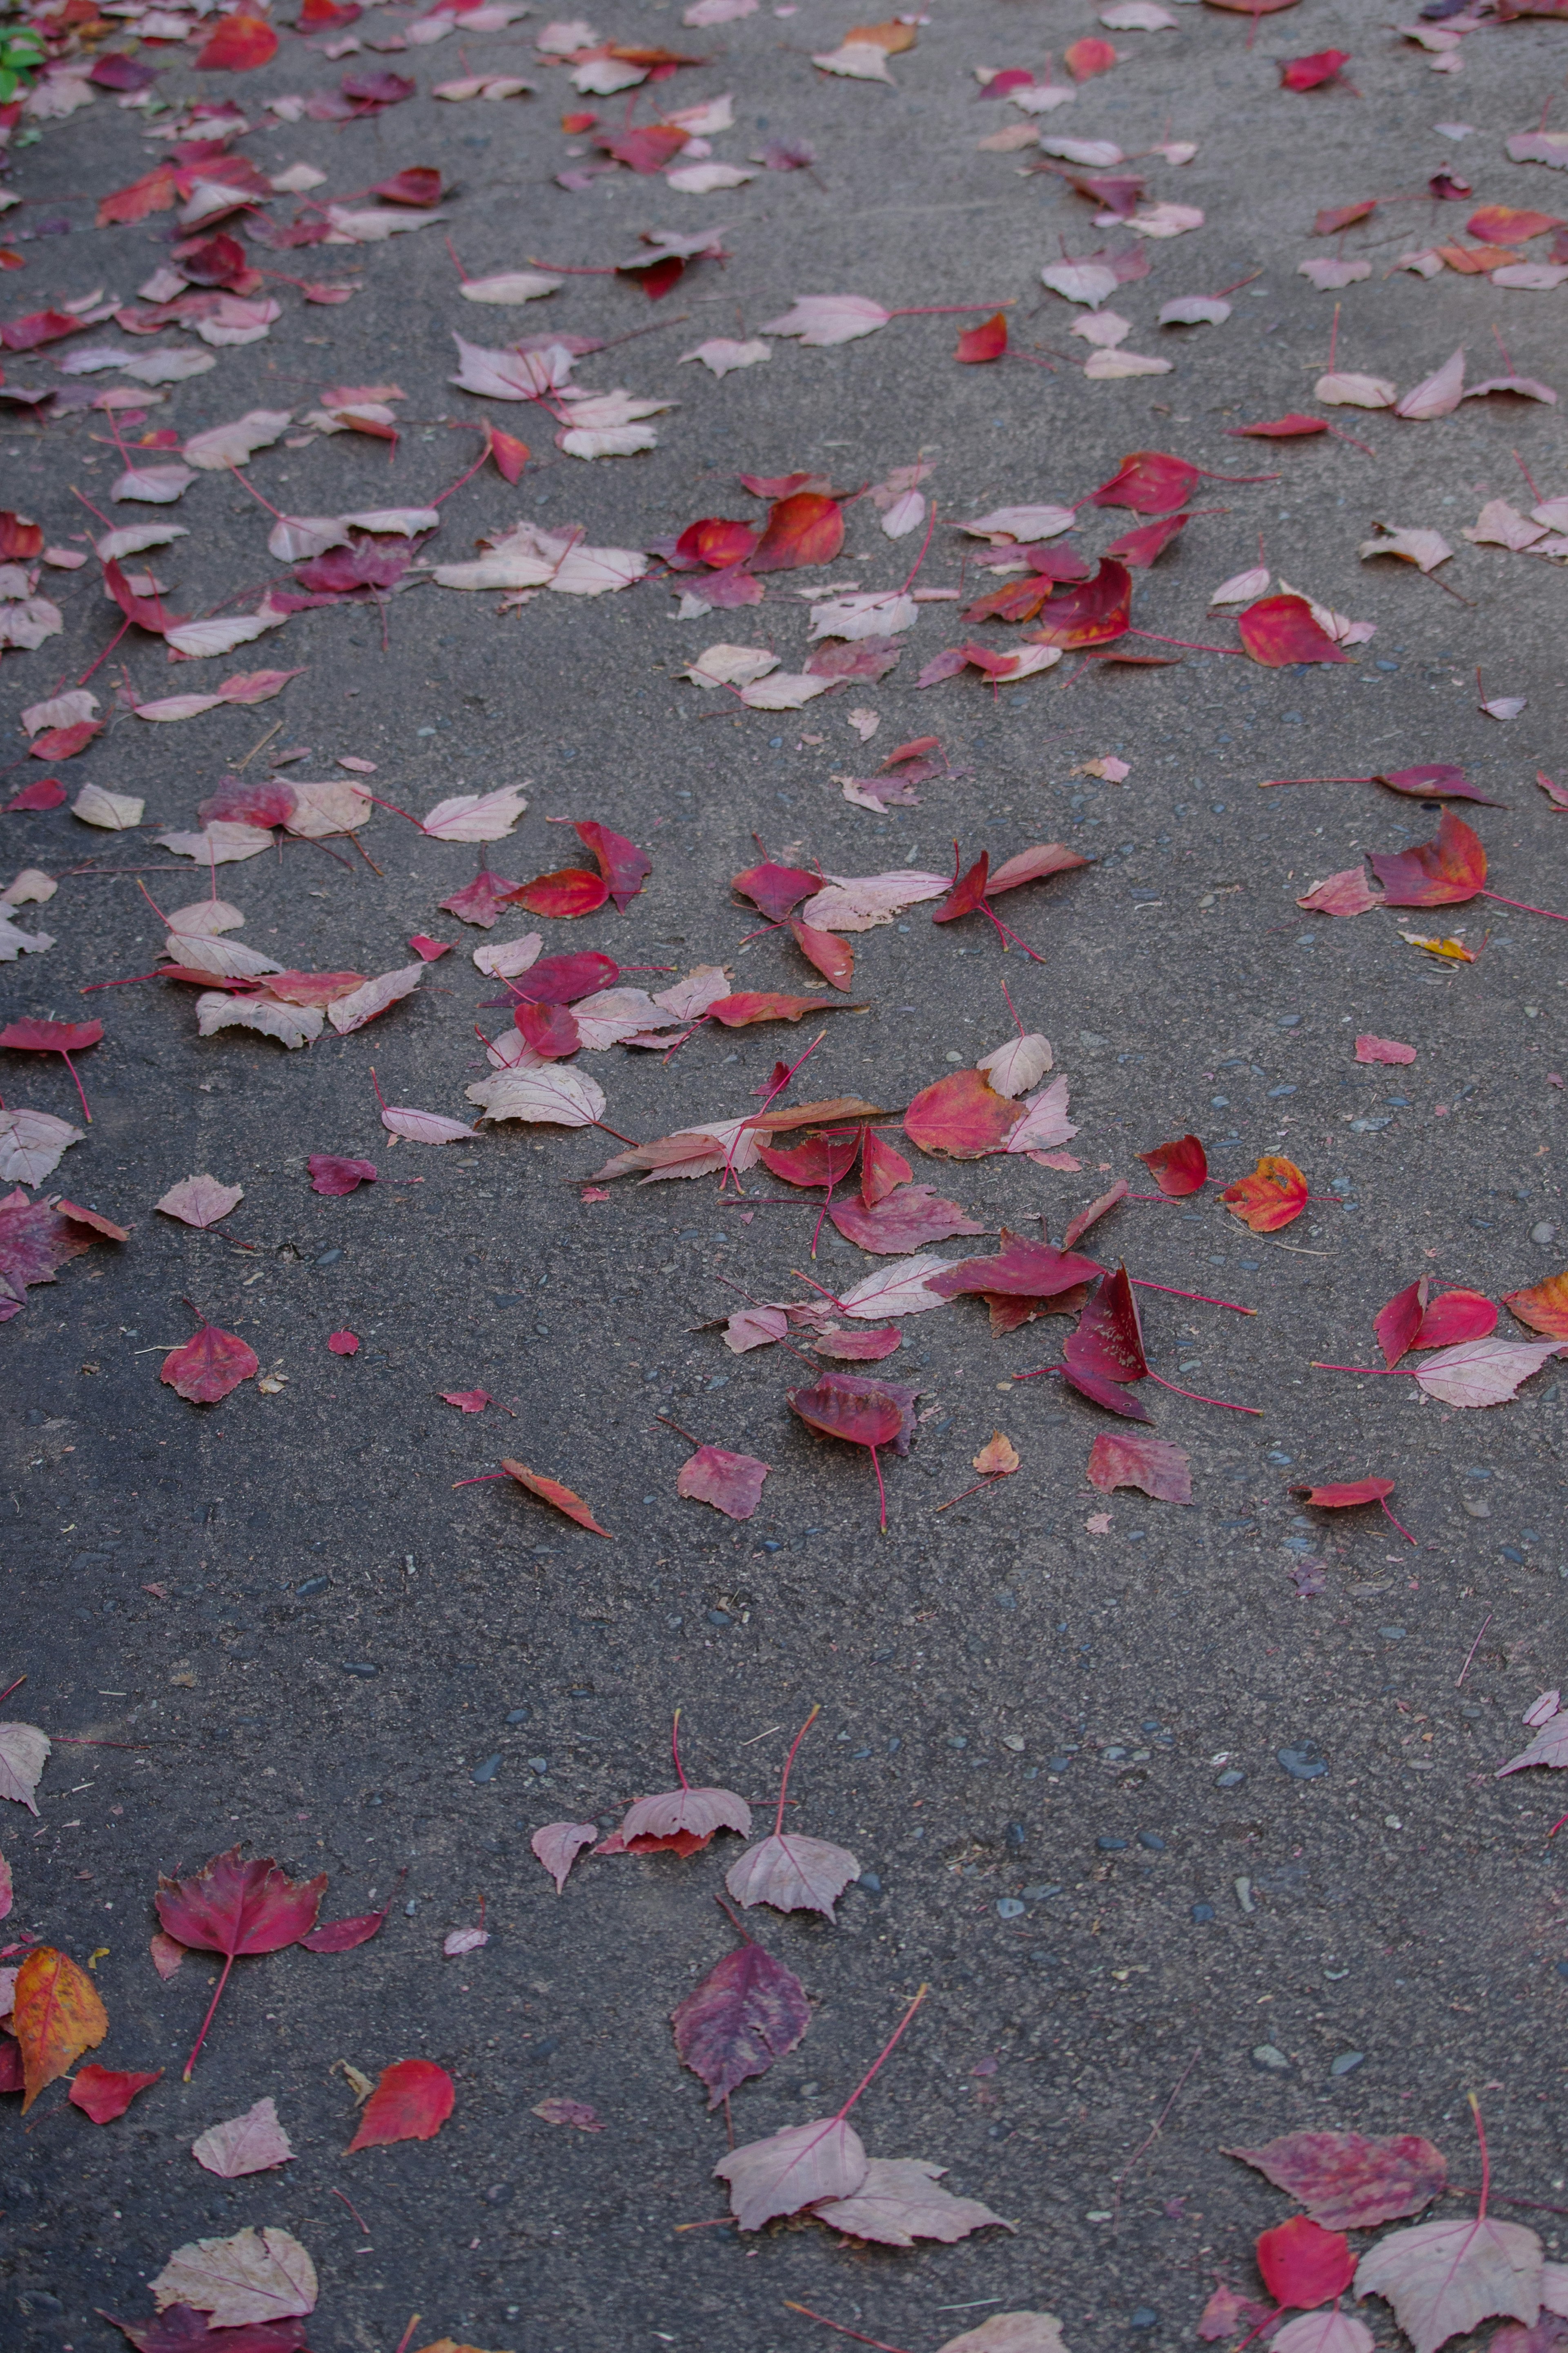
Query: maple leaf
point(1021, 1268)
point(961, 1117)
point(1483, 1372)
point(206, 1367)
point(1348, 2181)
point(1549, 1747)
point(558, 1846)
point(253, 2277)
point(234, 1907)
point(1161, 1469)
point(1280, 631)
point(1274, 1195)
point(1444, 872)
point(1330, 2331)
point(1414, 1319)
point(793, 2167)
point(787, 1871)
point(32, 1144)
point(56, 2015)
point(748, 2011)
point(412, 2101)
point(333, 1174)
point(252, 2143)
point(900, 2201)
point(180, 2328)
point(1443, 2278)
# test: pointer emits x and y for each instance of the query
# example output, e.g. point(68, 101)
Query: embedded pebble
point(1304, 1762)
point(1271, 2058)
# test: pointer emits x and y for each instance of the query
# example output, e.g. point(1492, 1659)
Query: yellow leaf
point(891, 36)
point(56, 2016)
point(1455, 950)
point(997, 1458)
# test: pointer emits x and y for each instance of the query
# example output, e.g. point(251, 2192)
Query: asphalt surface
point(314, 1642)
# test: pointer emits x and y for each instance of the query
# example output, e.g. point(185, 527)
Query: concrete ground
point(1063, 1733)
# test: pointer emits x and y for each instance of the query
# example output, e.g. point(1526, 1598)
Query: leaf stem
point(1486, 2161)
point(1198, 1397)
point(11, 1688)
point(217, 1996)
point(821, 2317)
point(1403, 1530)
point(77, 1085)
point(1384, 1372)
point(882, 1493)
point(1523, 909)
point(674, 1749)
point(921, 558)
point(678, 1431)
point(886, 2052)
point(789, 1760)
point(1202, 1297)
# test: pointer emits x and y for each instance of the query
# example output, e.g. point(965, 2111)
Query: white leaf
point(1018, 1065)
point(510, 286)
point(1483, 1372)
point(1110, 367)
point(906, 515)
point(1137, 16)
point(607, 441)
point(134, 539)
point(424, 1126)
point(595, 571)
point(1328, 273)
point(372, 223)
point(1195, 311)
point(291, 1025)
point(464, 1940)
point(219, 844)
point(754, 1328)
point(721, 353)
point(704, 179)
point(613, 1015)
point(178, 706)
point(24, 1752)
point(327, 805)
point(293, 538)
point(822, 320)
point(1531, 276)
point(30, 887)
point(793, 2168)
point(857, 60)
point(1341, 391)
point(199, 640)
point(899, 1289)
point(1045, 1123)
point(28, 623)
point(115, 812)
point(1425, 549)
point(205, 918)
point(875, 613)
point(730, 666)
point(1161, 220)
point(1042, 97)
point(1242, 588)
point(718, 12)
point(32, 1144)
point(1105, 329)
point(556, 1095)
point(67, 709)
point(504, 959)
point(362, 1005)
point(222, 446)
point(1094, 154)
point(689, 998)
point(174, 366)
point(15, 941)
point(252, 2143)
point(406, 522)
point(861, 902)
point(1088, 282)
point(1443, 2278)
point(225, 959)
point(1010, 2332)
point(1548, 1748)
point(1503, 706)
point(476, 816)
point(784, 691)
point(1437, 395)
point(1023, 523)
point(901, 2200)
point(157, 486)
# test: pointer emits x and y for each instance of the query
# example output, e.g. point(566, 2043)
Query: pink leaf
point(252, 2143)
point(1383, 1049)
point(344, 1343)
point(792, 2169)
point(792, 1873)
point(733, 1483)
point(1444, 2278)
point(558, 1846)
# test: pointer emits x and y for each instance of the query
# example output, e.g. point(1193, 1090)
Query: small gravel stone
point(359, 1667)
point(1304, 1762)
point(1112, 1845)
point(1202, 1912)
point(1543, 1233)
point(1271, 2058)
point(1152, 1840)
point(1145, 2316)
point(1347, 2062)
point(1009, 1908)
point(1231, 1778)
point(488, 1770)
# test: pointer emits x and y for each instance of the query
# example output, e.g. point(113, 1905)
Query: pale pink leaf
point(900, 2201)
point(900, 1290)
point(1349, 2181)
point(1383, 1049)
point(1242, 588)
point(792, 1873)
point(558, 1846)
point(32, 1144)
point(505, 960)
point(223, 446)
point(476, 816)
point(1045, 1123)
point(24, 1752)
point(1483, 1372)
point(291, 1025)
point(1330, 2331)
point(559, 2111)
point(424, 1126)
point(823, 319)
point(1342, 894)
point(1549, 1747)
point(699, 1812)
point(733, 1483)
point(252, 2143)
point(200, 1201)
point(327, 805)
point(861, 903)
point(1437, 395)
point(792, 2169)
point(1350, 391)
point(1444, 2278)
point(1011, 2332)
point(1132, 1460)
point(754, 1328)
point(254, 2275)
point(464, 1940)
point(1017, 1066)
point(555, 1094)
point(362, 1005)
point(167, 1954)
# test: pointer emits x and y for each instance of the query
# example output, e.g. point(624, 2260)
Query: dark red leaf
point(859, 1348)
point(837, 1406)
point(748, 2011)
point(480, 901)
point(105, 2092)
point(1109, 1341)
point(882, 1169)
point(781, 486)
point(1150, 481)
point(341, 1936)
point(182, 2329)
point(1440, 781)
point(417, 184)
point(20, 540)
point(1015, 600)
point(1277, 630)
point(1111, 1395)
point(1178, 1168)
point(146, 612)
point(820, 1160)
point(511, 455)
point(219, 260)
point(1347, 2181)
point(32, 1035)
point(49, 792)
point(1090, 614)
point(231, 1907)
point(571, 891)
point(561, 980)
point(961, 1117)
point(1443, 872)
point(203, 1371)
point(623, 866)
point(378, 89)
point(331, 1174)
point(803, 529)
point(967, 894)
point(909, 1220)
point(1021, 1268)
point(327, 16)
point(550, 1029)
point(1139, 548)
point(115, 70)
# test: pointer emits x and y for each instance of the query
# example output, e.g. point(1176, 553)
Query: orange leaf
point(239, 43)
point(1274, 1193)
point(1089, 57)
point(987, 342)
point(57, 2015)
point(1501, 224)
point(997, 1458)
point(1543, 1306)
point(551, 1491)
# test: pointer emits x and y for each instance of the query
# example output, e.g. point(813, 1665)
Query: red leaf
point(40, 327)
point(31, 1036)
point(859, 1348)
point(147, 613)
point(49, 792)
point(342, 1936)
point(154, 192)
point(987, 342)
point(911, 1218)
point(840, 1407)
point(237, 803)
point(105, 2092)
point(239, 44)
point(646, 149)
point(1443, 872)
point(1440, 780)
point(20, 540)
point(1543, 1306)
point(412, 2102)
point(417, 184)
point(623, 866)
point(1150, 481)
point(327, 16)
point(1347, 2181)
point(1508, 225)
point(1089, 57)
point(231, 1907)
point(12, 2077)
point(550, 1029)
point(551, 1491)
point(1383, 1049)
point(882, 1169)
point(427, 949)
point(571, 891)
point(1281, 630)
point(80, 1217)
point(1178, 1168)
point(1090, 615)
point(1111, 1395)
point(1279, 429)
point(833, 957)
point(1080, 1224)
point(511, 456)
point(1304, 2265)
point(771, 1005)
point(1334, 217)
point(344, 1343)
point(313, 988)
point(1343, 1496)
point(373, 91)
point(961, 1117)
point(1108, 1345)
point(1414, 1320)
point(967, 894)
point(35, 1239)
point(1035, 865)
point(1141, 547)
point(468, 1401)
point(775, 889)
point(716, 542)
point(1021, 1268)
point(1161, 1469)
point(206, 1369)
point(820, 1160)
point(63, 743)
point(180, 2328)
point(1274, 1195)
point(561, 980)
point(480, 901)
point(1015, 600)
point(733, 1483)
point(1308, 73)
point(803, 529)
point(748, 2011)
point(781, 486)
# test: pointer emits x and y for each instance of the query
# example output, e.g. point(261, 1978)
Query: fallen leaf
point(1010, 2332)
point(167, 1954)
point(1548, 1748)
point(1348, 2181)
point(1274, 1195)
point(1161, 1469)
point(733, 1483)
point(913, 1217)
point(900, 2201)
point(558, 1846)
point(32, 1144)
point(1425, 549)
point(551, 1491)
point(1280, 631)
point(333, 1174)
point(1483, 1372)
point(559, 2111)
point(253, 2277)
point(252, 2143)
point(206, 1368)
point(1444, 872)
point(1080, 1224)
point(961, 1117)
point(748, 2011)
point(1417, 1319)
point(460, 1941)
point(200, 1201)
point(793, 2167)
point(1443, 2278)
point(1178, 1168)
point(105, 2092)
point(1437, 395)
point(1302, 2264)
point(345, 1936)
point(56, 2015)
point(999, 1458)
point(412, 2100)
point(234, 1907)
point(790, 1872)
